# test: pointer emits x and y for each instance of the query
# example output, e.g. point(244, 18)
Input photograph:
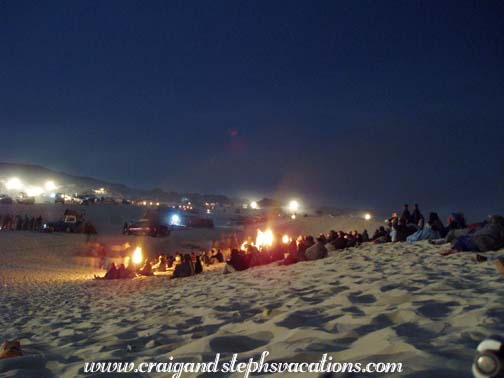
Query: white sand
point(400, 302)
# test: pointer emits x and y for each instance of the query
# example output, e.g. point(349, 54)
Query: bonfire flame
point(264, 239)
point(137, 256)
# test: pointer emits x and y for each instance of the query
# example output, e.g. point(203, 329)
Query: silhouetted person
point(406, 216)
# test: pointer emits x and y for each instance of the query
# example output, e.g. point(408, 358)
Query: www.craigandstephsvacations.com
point(247, 367)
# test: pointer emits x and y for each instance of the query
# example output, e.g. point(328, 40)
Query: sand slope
point(398, 302)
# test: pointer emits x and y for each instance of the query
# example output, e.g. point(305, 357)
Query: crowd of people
point(11, 222)
point(411, 227)
point(484, 236)
point(180, 265)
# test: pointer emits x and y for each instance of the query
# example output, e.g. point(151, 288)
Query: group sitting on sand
point(408, 227)
point(182, 265)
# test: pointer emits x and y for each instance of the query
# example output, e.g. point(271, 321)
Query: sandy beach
point(393, 303)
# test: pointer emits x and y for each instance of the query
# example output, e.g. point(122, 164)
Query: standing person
point(406, 216)
point(198, 267)
point(417, 215)
point(38, 223)
point(365, 236)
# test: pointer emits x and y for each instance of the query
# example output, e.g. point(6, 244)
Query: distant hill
point(36, 175)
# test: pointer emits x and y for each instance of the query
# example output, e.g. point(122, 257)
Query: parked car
point(24, 199)
point(64, 198)
point(72, 221)
point(197, 222)
point(5, 199)
point(146, 227)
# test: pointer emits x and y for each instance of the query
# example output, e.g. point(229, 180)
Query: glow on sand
point(137, 257)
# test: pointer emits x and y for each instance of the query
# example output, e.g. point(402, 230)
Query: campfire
point(137, 257)
point(264, 239)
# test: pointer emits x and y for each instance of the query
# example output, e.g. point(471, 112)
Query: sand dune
point(400, 302)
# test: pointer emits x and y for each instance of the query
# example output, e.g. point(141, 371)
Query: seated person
point(237, 261)
point(125, 273)
point(146, 269)
point(207, 258)
point(456, 221)
point(332, 236)
point(185, 268)
point(365, 236)
point(112, 273)
point(290, 256)
point(160, 265)
point(198, 267)
point(219, 256)
point(432, 230)
point(316, 251)
point(170, 260)
point(381, 236)
point(488, 238)
point(306, 243)
point(401, 230)
point(340, 242)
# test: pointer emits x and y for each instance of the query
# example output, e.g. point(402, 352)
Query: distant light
point(253, 205)
point(367, 216)
point(175, 220)
point(157, 203)
point(50, 186)
point(145, 203)
point(285, 239)
point(14, 184)
point(137, 257)
point(34, 191)
point(100, 191)
point(293, 216)
point(52, 195)
point(293, 205)
point(208, 211)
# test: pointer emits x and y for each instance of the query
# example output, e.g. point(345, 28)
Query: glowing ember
point(137, 256)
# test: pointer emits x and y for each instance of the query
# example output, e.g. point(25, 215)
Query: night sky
point(355, 103)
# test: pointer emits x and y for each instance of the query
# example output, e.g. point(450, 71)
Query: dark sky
point(357, 103)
